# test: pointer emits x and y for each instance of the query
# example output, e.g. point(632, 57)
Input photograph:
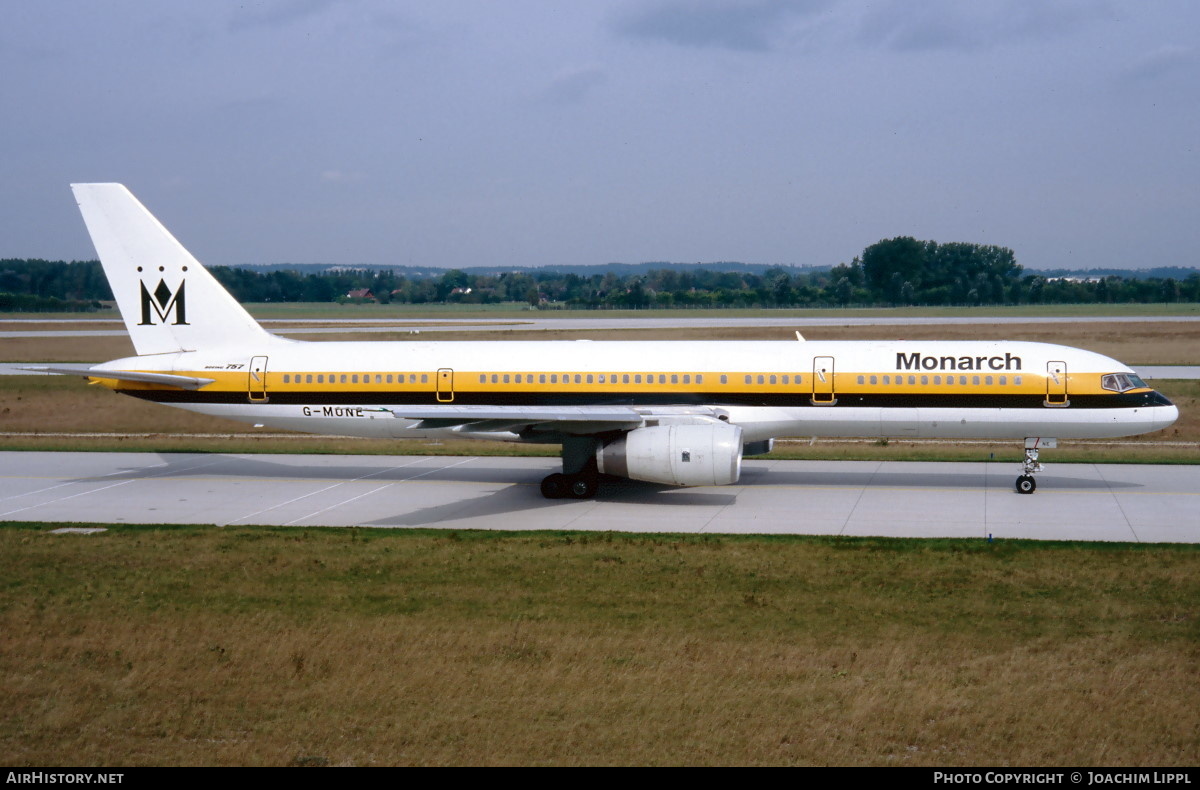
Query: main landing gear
point(1025, 483)
point(579, 478)
point(581, 485)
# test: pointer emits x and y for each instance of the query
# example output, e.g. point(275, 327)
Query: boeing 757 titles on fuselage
point(678, 413)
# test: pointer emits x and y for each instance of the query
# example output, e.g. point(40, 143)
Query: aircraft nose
point(1165, 416)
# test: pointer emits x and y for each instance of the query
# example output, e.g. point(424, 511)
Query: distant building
point(360, 293)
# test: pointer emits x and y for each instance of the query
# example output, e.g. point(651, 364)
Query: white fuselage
point(900, 389)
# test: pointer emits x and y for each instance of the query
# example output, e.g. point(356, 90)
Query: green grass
point(269, 646)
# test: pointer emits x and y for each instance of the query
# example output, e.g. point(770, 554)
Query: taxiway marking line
point(95, 490)
point(318, 491)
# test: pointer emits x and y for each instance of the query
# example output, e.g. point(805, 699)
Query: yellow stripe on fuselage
point(585, 382)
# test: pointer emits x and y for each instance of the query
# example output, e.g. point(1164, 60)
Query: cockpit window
point(1121, 382)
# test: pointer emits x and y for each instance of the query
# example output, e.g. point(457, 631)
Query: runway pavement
point(1073, 502)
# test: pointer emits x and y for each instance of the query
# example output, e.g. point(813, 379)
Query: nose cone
point(1165, 416)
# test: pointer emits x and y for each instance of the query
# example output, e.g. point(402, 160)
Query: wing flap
point(496, 419)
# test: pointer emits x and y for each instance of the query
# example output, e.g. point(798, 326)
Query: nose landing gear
point(1025, 483)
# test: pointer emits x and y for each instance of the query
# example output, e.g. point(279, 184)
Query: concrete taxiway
point(1073, 502)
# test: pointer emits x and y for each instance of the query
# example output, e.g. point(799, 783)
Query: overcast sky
point(531, 133)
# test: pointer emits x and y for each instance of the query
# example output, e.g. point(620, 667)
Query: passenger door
point(256, 380)
point(445, 385)
point(823, 375)
point(1056, 384)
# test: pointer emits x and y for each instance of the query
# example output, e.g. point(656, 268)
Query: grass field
point(195, 646)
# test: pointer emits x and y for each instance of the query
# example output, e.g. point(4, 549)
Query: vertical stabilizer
point(168, 300)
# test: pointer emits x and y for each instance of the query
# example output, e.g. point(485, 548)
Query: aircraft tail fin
point(169, 302)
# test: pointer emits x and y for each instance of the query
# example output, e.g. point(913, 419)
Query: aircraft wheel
point(554, 486)
point(1026, 484)
point(582, 486)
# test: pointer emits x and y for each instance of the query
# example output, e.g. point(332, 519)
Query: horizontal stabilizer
point(167, 379)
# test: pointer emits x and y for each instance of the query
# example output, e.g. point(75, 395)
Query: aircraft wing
point(580, 420)
point(169, 379)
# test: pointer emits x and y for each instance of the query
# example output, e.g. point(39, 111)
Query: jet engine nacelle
point(680, 455)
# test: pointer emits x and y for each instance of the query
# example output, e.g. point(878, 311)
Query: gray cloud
point(573, 85)
point(951, 25)
point(739, 25)
point(276, 13)
point(1160, 61)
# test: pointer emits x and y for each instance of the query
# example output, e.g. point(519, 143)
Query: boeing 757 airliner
point(678, 413)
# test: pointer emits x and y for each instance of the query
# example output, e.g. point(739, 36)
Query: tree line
point(892, 272)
